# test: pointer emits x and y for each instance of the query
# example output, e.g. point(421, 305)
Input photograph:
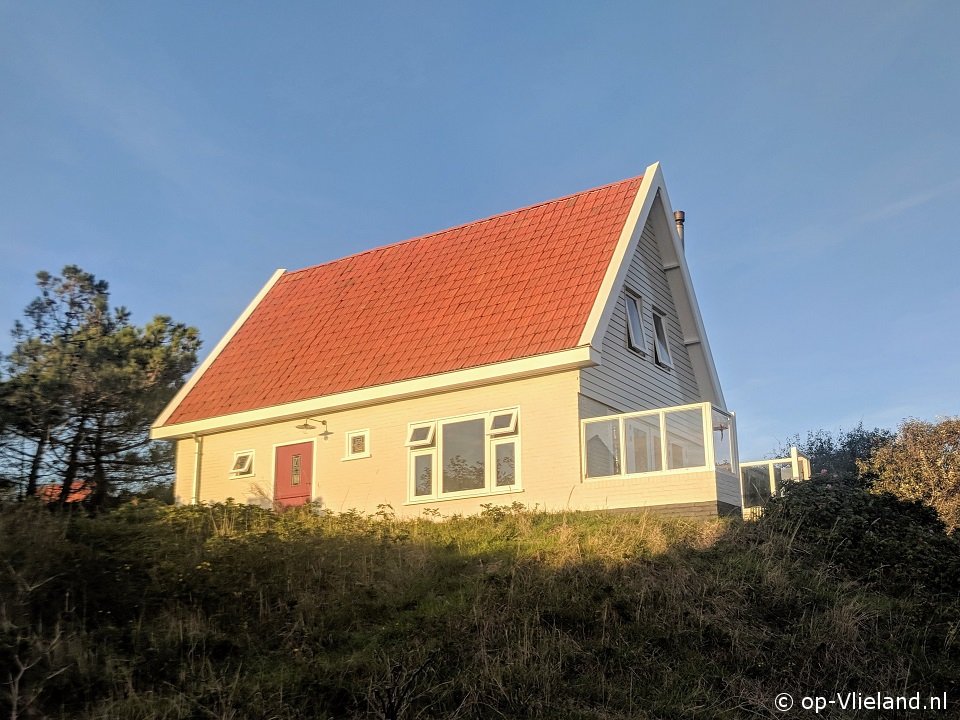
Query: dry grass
point(233, 612)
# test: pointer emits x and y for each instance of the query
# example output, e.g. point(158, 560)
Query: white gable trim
point(494, 373)
point(616, 273)
point(238, 323)
point(691, 322)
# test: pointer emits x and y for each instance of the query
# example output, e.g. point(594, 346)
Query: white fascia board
point(573, 358)
point(616, 272)
point(696, 319)
point(208, 361)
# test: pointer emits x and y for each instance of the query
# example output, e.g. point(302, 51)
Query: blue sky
point(183, 151)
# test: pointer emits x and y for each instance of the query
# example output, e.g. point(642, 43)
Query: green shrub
point(876, 538)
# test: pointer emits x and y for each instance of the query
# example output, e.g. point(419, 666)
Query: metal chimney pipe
point(679, 216)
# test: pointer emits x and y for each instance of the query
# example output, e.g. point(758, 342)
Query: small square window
point(661, 346)
point(421, 435)
point(358, 444)
point(242, 463)
point(636, 339)
point(503, 422)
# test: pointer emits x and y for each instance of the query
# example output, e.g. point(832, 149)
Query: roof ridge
point(465, 224)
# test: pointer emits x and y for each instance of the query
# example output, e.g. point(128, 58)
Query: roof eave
point(494, 373)
point(208, 361)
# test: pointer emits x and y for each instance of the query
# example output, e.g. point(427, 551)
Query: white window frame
point(431, 434)
point(250, 468)
point(434, 450)
point(348, 451)
point(634, 300)
point(664, 356)
point(510, 429)
point(417, 452)
point(494, 444)
point(665, 471)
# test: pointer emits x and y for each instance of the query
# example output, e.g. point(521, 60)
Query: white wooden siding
point(630, 381)
point(591, 408)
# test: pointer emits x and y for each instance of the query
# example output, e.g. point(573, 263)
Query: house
point(553, 356)
point(50, 492)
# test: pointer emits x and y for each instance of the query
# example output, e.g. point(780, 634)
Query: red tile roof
point(511, 286)
point(50, 493)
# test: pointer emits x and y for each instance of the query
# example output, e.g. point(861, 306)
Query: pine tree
point(82, 385)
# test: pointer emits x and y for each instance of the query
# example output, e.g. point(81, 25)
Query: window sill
point(242, 477)
point(355, 457)
point(465, 496)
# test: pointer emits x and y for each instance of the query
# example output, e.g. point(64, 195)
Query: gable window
point(464, 456)
point(636, 339)
point(358, 445)
point(661, 347)
point(242, 464)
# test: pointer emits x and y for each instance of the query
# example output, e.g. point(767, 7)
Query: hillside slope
point(233, 612)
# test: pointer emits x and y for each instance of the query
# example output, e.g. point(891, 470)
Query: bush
point(876, 538)
point(922, 462)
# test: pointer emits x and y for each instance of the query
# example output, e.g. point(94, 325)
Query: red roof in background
point(50, 493)
point(511, 286)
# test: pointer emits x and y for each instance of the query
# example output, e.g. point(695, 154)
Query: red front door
point(293, 474)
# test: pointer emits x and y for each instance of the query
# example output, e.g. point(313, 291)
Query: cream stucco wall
point(549, 456)
point(549, 450)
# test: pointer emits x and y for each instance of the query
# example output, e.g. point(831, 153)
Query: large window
point(464, 456)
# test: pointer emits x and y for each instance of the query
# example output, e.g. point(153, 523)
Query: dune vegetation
point(227, 611)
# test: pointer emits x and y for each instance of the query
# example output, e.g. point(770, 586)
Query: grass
point(230, 612)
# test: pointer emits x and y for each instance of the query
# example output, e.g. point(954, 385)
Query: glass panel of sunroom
point(463, 444)
point(756, 485)
point(643, 443)
point(685, 446)
point(602, 443)
point(722, 441)
point(782, 473)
